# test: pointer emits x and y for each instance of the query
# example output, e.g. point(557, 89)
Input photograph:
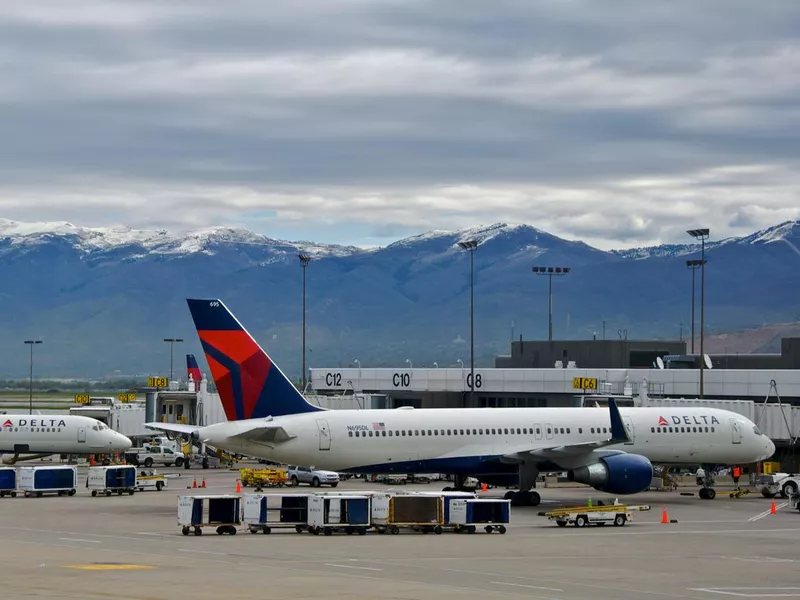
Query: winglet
point(618, 432)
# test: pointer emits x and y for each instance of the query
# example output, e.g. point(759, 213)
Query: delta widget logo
point(8, 423)
point(662, 422)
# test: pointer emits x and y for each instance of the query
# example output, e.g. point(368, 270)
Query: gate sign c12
point(584, 383)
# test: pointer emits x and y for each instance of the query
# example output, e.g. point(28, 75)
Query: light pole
point(693, 265)
point(172, 342)
point(550, 271)
point(702, 235)
point(470, 246)
point(410, 365)
point(32, 343)
point(304, 260)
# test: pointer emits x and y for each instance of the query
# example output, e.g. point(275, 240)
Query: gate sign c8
point(157, 382)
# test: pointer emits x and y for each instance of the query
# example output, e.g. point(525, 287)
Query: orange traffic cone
point(664, 517)
point(773, 510)
point(194, 484)
point(238, 487)
point(204, 482)
point(483, 487)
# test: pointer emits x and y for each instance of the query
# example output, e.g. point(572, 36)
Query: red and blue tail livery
point(192, 369)
point(249, 384)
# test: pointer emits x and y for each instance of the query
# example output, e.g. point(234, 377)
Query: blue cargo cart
point(61, 480)
point(221, 511)
point(468, 514)
point(8, 482)
point(110, 479)
point(334, 512)
point(265, 512)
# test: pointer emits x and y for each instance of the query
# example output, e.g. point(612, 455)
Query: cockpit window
point(756, 430)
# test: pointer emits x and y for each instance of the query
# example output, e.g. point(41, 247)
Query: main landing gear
point(530, 498)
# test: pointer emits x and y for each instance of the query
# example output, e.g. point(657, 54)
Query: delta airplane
point(43, 435)
point(612, 451)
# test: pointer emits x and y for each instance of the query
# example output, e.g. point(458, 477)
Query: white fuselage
point(58, 434)
point(468, 440)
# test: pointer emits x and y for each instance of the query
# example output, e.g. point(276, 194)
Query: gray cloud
point(619, 123)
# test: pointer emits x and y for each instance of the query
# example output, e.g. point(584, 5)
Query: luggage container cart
point(466, 514)
point(8, 482)
point(221, 511)
point(265, 512)
point(107, 480)
point(600, 515)
point(331, 512)
point(61, 480)
point(391, 512)
point(447, 499)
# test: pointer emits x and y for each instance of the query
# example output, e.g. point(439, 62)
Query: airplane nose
point(124, 442)
point(770, 448)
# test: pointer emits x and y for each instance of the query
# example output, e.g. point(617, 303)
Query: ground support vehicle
point(8, 482)
point(313, 477)
point(779, 484)
point(150, 480)
point(600, 514)
point(107, 480)
point(265, 512)
point(467, 514)
point(222, 511)
point(61, 480)
point(334, 512)
point(392, 512)
point(263, 478)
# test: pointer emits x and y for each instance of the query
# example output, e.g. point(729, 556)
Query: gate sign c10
point(127, 397)
point(584, 383)
point(81, 398)
point(157, 382)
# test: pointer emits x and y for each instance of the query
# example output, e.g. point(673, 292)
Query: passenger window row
point(680, 430)
point(452, 432)
point(33, 429)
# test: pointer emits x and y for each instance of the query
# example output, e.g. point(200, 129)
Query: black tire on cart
point(362, 531)
point(266, 530)
point(71, 492)
point(298, 528)
point(489, 529)
point(619, 520)
point(108, 493)
point(220, 530)
point(253, 529)
point(185, 530)
point(327, 531)
point(581, 521)
point(501, 529)
point(437, 530)
point(198, 531)
point(94, 493)
point(130, 492)
point(13, 494)
point(159, 485)
point(472, 529)
point(232, 530)
point(349, 530)
point(561, 523)
point(394, 530)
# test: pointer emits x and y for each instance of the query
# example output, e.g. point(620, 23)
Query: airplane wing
point(619, 435)
point(265, 434)
point(173, 428)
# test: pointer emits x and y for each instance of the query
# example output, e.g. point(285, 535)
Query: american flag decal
point(378, 427)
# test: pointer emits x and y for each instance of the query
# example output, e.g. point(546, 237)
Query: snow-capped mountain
point(103, 298)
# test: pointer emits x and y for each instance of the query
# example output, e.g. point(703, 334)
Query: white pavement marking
point(747, 592)
point(352, 567)
point(202, 552)
point(79, 540)
point(534, 587)
point(767, 512)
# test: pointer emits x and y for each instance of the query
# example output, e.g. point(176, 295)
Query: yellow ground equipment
point(581, 516)
point(739, 492)
point(261, 478)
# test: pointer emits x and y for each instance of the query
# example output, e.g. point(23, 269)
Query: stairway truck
point(36, 481)
point(222, 511)
point(391, 512)
point(265, 512)
point(328, 513)
point(118, 479)
point(8, 482)
point(467, 514)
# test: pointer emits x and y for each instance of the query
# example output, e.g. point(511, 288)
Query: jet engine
point(616, 474)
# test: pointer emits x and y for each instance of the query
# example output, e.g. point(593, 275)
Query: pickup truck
point(150, 455)
point(311, 476)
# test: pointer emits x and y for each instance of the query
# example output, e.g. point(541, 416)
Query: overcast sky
point(622, 123)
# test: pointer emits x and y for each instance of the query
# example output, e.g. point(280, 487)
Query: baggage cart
point(107, 480)
point(60, 479)
point(600, 514)
point(8, 482)
point(447, 499)
point(265, 512)
point(333, 512)
point(467, 514)
point(221, 511)
point(391, 512)
point(150, 480)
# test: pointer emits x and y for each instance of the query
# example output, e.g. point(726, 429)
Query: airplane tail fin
point(249, 384)
point(193, 370)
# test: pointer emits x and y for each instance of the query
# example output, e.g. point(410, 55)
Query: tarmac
point(131, 548)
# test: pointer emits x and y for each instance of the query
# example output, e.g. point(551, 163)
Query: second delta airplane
point(609, 450)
